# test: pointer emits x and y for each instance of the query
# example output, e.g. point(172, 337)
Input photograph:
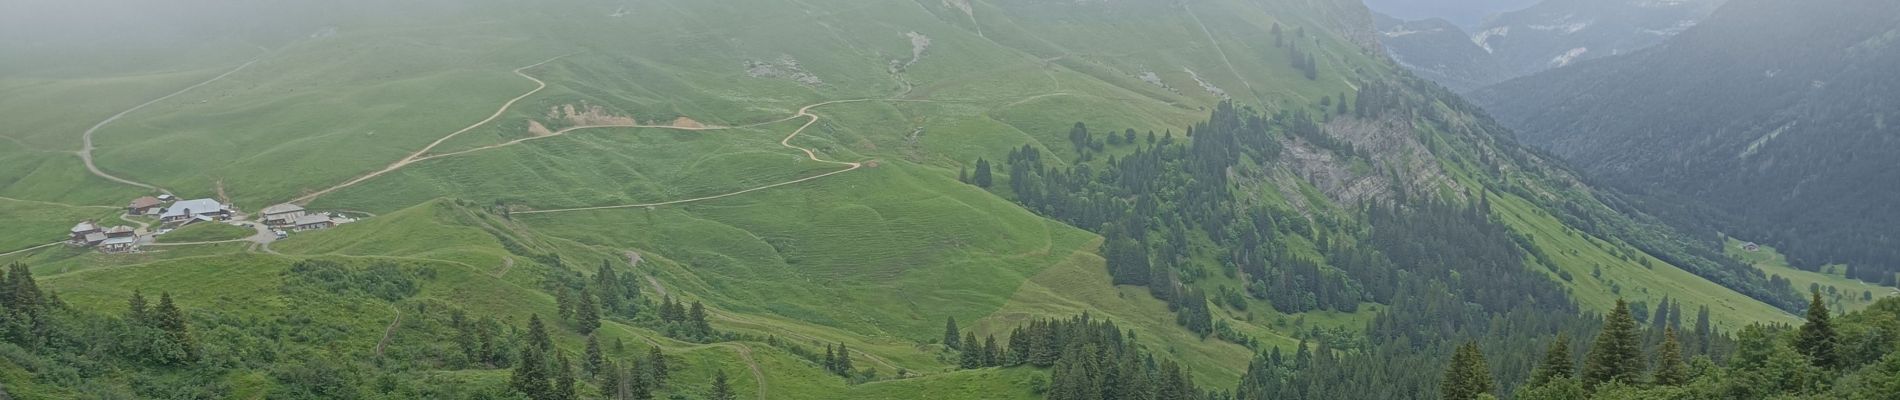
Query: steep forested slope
point(1770, 122)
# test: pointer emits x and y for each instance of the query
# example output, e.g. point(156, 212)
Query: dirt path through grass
point(758, 375)
point(413, 157)
point(389, 331)
point(804, 112)
point(85, 148)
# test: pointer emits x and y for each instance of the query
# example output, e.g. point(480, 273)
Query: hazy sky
point(1461, 12)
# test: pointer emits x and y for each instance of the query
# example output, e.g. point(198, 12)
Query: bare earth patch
point(584, 114)
point(687, 123)
point(535, 129)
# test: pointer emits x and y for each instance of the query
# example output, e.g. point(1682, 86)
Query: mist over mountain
point(1771, 121)
point(1551, 34)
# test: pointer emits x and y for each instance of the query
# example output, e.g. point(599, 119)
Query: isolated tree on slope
point(950, 339)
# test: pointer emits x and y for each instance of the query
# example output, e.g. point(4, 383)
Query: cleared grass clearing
point(1581, 255)
point(1841, 293)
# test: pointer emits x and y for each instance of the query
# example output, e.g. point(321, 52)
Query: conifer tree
point(950, 338)
point(844, 360)
point(1617, 353)
point(563, 383)
point(638, 386)
point(1816, 340)
point(612, 386)
point(1670, 370)
point(720, 389)
point(563, 302)
point(698, 318)
point(992, 355)
point(656, 367)
point(136, 309)
point(607, 288)
point(586, 314)
point(831, 359)
point(170, 319)
point(1704, 332)
point(982, 178)
point(538, 334)
point(1556, 365)
point(972, 357)
point(1468, 377)
point(595, 360)
point(530, 376)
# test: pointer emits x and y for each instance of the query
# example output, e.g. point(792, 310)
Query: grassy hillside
point(790, 166)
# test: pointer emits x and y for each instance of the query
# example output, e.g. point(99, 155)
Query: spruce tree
point(136, 309)
point(563, 302)
point(639, 387)
point(656, 367)
point(530, 376)
point(1617, 353)
point(1670, 370)
point(844, 360)
point(1816, 340)
point(1557, 364)
point(1468, 377)
point(607, 288)
point(563, 382)
point(595, 360)
point(697, 316)
point(586, 314)
point(992, 355)
point(982, 178)
point(538, 334)
point(612, 385)
point(950, 339)
point(972, 357)
point(720, 389)
point(170, 319)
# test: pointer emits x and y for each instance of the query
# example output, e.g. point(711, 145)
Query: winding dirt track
point(417, 155)
point(389, 331)
point(787, 142)
point(85, 148)
point(758, 375)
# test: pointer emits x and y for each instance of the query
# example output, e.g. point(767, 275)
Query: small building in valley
point(125, 244)
point(314, 222)
point(120, 231)
point(282, 214)
point(143, 205)
point(204, 209)
point(84, 234)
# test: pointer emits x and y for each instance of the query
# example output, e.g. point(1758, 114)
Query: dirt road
point(85, 148)
point(415, 156)
point(787, 142)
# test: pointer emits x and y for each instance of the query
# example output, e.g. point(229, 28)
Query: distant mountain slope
point(1549, 35)
point(1777, 116)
